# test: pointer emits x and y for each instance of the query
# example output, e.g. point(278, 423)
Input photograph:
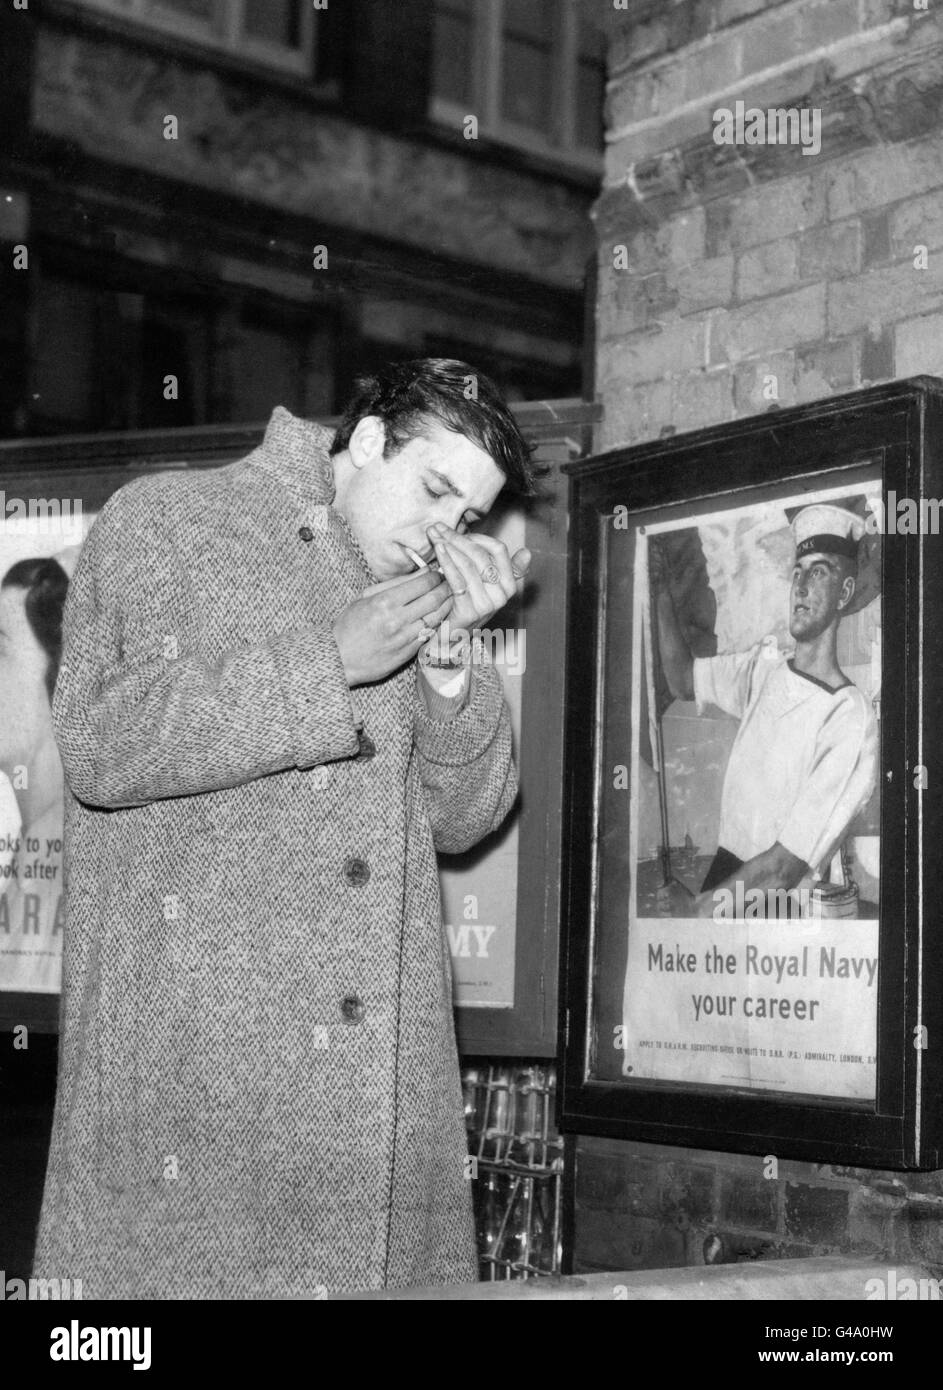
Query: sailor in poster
point(804, 760)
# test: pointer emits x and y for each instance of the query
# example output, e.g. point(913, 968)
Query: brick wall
point(743, 264)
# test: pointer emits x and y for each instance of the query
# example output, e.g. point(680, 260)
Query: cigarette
point(417, 560)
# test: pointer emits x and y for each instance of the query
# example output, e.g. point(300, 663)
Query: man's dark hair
point(45, 582)
point(406, 395)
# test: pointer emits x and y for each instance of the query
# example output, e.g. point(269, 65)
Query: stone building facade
point(262, 199)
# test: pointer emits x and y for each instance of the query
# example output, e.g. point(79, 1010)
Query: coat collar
point(295, 453)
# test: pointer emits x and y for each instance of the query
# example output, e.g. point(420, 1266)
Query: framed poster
point(45, 513)
point(501, 900)
point(40, 537)
point(50, 493)
point(751, 953)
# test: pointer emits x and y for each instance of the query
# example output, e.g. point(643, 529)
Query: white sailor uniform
point(804, 760)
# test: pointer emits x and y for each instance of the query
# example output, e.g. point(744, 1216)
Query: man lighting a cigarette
point(258, 1092)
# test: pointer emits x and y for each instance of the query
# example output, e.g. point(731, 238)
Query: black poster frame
point(902, 425)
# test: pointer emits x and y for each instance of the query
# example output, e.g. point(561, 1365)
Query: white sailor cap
point(827, 528)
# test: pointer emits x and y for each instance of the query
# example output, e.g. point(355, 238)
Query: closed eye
point(465, 522)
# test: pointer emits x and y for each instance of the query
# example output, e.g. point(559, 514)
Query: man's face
point(25, 718)
point(820, 590)
point(389, 502)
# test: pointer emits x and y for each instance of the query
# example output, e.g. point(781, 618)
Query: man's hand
point(384, 628)
point(481, 575)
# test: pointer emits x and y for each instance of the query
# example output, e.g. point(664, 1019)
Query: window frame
point(224, 33)
point(488, 54)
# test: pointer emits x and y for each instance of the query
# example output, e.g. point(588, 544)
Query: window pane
point(453, 53)
point(166, 340)
point(530, 19)
point(266, 373)
point(526, 83)
point(276, 21)
point(64, 365)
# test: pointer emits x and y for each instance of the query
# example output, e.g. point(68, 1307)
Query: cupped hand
point(385, 627)
point(482, 576)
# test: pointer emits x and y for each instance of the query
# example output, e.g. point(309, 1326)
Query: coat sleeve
point(141, 712)
point(466, 763)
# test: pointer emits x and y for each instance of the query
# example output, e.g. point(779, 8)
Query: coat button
point(353, 1008)
point(367, 747)
point(306, 533)
point(356, 872)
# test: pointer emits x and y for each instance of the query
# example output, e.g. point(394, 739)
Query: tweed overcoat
point(258, 1090)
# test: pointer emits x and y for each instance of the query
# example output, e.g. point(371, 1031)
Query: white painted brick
point(632, 414)
point(774, 210)
point(877, 177)
point(699, 399)
point(782, 321)
point(678, 347)
point(919, 347)
point(685, 237)
point(768, 269)
point(751, 379)
point(917, 222)
point(884, 296)
point(705, 285)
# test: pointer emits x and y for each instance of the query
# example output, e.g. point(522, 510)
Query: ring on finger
point(490, 575)
point(425, 632)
